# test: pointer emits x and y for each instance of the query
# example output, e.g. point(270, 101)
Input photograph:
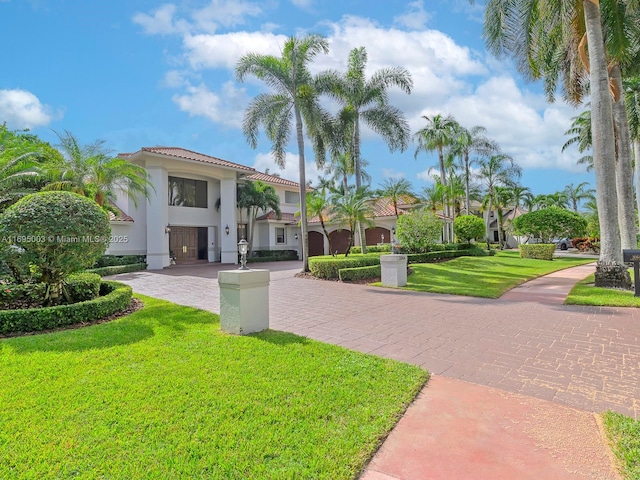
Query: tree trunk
point(610, 271)
point(624, 171)
point(358, 173)
point(326, 234)
point(445, 210)
point(488, 219)
point(303, 192)
point(466, 183)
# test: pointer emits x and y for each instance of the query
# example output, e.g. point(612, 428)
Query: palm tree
point(352, 210)
point(632, 102)
point(318, 205)
point(466, 142)
point(367, 100)
point(520, 197)
point(294, 101)
point(256, 197)
point(91, 171)
point(502, 199)
point(497, 170)
point(580, 132)
point(578, 193)
point(557, 199)
point(395, 189)
point(433, 197)
point(435, 136)
point(547, 39)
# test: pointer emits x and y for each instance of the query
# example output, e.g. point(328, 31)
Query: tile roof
point(288, 218)
point(265, 177)
point(119, 215)
point(189, 155)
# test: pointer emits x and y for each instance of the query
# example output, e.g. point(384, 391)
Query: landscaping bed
point(163, 393)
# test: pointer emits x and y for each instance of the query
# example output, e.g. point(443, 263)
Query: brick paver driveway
point(585, 357)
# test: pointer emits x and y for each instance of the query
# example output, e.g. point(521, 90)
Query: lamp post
point(243, 247)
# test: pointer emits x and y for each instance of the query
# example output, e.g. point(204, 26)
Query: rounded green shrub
point(418, 230)
point(468, 227)
point(82, 286)
point(58, 233)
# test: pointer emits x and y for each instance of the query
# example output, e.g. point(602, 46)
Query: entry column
point(229, 241)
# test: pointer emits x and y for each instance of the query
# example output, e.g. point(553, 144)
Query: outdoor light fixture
point(295, 236)
point(243, 247)
point(393, 231)
point(226, 229)
point(167, 229)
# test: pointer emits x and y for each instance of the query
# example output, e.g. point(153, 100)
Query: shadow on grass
point(276, 337)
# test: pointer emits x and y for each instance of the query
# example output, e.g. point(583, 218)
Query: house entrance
point(188, 244)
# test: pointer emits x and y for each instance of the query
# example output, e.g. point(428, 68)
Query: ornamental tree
point(550, 223)
point(418, 230)
point(58, 233)
point(468, 227)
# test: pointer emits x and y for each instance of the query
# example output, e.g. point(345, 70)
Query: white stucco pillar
point(228, 243)
point(211, 248)
point(158, 218)
point(325, 242)
point(244, 301)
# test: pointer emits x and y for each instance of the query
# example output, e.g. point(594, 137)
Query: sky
point(142, 73)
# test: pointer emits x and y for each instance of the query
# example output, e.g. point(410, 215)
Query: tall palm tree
point(495, 171)
point(295, 101)
point(91, 171)
point(438, 134)
point(502, 199)
point(395, 189)
point(632, 102)
point(520, 197)
point(367, 100)
point(433, 196)
point(557, 199)
point(352, 210)
point(578, 193)
point(465, 143)
point(547, 39)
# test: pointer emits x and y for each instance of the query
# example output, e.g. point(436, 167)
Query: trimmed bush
point(373, 248)
point(82, 286)
point(116, 269)
point(359, 273)
point(114, 298)
point(116, 260)
point(440, 255)
point(538, 251)
point(277, 254)
point(328, 267)
point(418, 230)
point(468, 227)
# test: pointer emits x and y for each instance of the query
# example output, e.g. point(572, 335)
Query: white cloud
point(227, 107)
point(415, 18)
point(161, 21)
point(390, 173)
point(22, 109)
point(290, 171)
point(302, 3)
point(426, 175)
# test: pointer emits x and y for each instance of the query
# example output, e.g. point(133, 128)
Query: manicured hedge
point(277, 254)
point(115, 297)
point(453, 253)
point(116, 269)
point(373, 248)
point(115, 260)
point(22, 295)
point(359, 273)
point(539, 251)
point(83, 286)
point(328, 267)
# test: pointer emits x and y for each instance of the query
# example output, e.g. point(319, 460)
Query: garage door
point(339, 240)
point(316, 244)
point(374, 235)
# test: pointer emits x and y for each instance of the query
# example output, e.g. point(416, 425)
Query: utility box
point(393, 270)
point(244, 301)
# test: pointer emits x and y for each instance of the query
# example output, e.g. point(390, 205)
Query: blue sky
point(140, 73)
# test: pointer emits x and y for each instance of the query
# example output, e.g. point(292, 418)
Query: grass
point(163, 393)
point(585, 293)
point(624, 437)
point(487, 277)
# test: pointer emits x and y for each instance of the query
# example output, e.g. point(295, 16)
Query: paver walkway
point(536, 352)
point(584, 357)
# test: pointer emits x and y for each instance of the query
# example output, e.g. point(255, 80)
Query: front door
point(183, 244)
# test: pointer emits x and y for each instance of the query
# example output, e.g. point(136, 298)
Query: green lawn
point(624, 437)
point(585, 293)
point(163, 393)
point(487, 277)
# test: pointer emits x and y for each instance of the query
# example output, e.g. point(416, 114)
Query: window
point(242, 231)
point(291, 197)
point(186, 192)
point(280, 238)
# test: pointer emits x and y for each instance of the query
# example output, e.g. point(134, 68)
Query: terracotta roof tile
point(119, 215)
point(288, 218)
point(265, 177)
point(190, 155)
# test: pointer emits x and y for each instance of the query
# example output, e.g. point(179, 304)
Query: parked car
point(563, 243)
